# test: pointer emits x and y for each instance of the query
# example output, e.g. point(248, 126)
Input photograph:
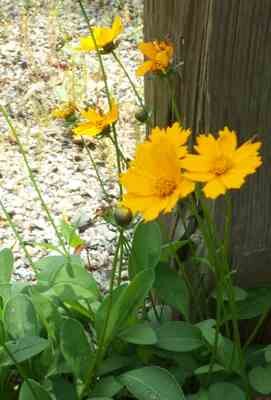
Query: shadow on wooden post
point(226, 80)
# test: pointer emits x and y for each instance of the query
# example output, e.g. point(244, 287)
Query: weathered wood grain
point(225, 80)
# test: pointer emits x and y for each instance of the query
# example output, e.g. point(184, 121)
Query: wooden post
point(225, 81)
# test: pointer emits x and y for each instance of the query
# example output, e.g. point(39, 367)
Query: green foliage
point(163, 335)
point(152, 383)
point(146, 247)
point(6, 265)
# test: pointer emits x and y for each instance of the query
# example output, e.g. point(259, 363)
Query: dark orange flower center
point(221, 165)
point(165, 187)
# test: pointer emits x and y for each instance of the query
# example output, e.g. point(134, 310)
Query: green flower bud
point(142, 115)
point(123, 216)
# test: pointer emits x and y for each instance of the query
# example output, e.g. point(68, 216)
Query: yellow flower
point(221, 163)
point(104, 36)
point(154, 182)
point(96, 121)
point(158, 54)
point(64, 110)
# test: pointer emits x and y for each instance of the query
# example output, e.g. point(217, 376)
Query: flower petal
point(87, 129)
point(144, 68)
point(227, 141)
point(117, 27)
point(207, 146)
point(199, 176)
point(214, 188)
point(196, 163)
point(232, 179)
point(148, 49)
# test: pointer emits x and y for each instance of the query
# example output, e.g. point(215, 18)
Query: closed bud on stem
point(142, 115)
point(123, 215)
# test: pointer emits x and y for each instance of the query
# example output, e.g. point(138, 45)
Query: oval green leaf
point(152, 383)
point(32, 390)
point(20, 317)
point(178, 336)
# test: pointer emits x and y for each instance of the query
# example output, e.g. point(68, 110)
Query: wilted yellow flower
point(104, 36)
point(96, 121)
point(64, 110)
point(158, 54)
point(220, 163)
point(154, 182)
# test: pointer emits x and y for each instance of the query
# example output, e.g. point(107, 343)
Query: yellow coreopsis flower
point(154, 182)
point(64, 110)
point(159, 57)
point(221, 163)
point(96, 121)
point(104, 37)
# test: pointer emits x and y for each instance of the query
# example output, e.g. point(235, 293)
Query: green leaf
point(259, 378)
point(239, 294)
point(100, 398)
point(48, 267)
point(205, 369)
point(6, 265)
point(146, 247)
point(171, 248)
point(70, 235)
point(48, 314)
point(142, 334)
point(2, 333)
point(63, 390)
point(128, 299)
point(267, 354)
point(107, 387)
point(20, 317)
point(257, 302)
point(227, 352)
point(152, 383)
point(75, 347)
point(39, 391)
point(114, 363)
point(202, 395)
point(171, 288)
point(8, 290)
point(178, 336)
point(22, 349)
point(225, 391)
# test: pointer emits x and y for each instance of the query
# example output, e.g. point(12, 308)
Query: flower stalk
point(17, 234)
point(115, 136)
point(32, 178)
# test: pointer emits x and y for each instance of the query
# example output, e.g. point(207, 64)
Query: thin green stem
point(129, 79)
point(256, 329)
point(227, 228)
point(217, 330)
point(173, 99)
point(102, 345)
point(95, 169)
point(120, 263)
point(152, 299)
point(32, 178)
point(106, 88)
point(117, 155)
point(17, 234)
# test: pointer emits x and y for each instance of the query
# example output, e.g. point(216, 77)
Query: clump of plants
point(173, 331)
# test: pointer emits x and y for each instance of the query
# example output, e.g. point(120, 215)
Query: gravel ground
point(38, 69)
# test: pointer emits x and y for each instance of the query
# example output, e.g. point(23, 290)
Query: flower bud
point(142, 115)
point(123, 215)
